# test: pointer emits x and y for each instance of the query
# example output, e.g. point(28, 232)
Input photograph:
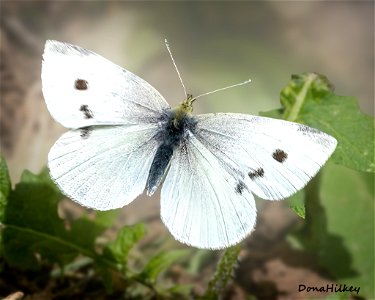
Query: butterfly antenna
point(224, 88)
point(175, 66)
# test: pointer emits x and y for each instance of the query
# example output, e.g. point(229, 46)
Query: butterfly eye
point(280, 155)
point(86, 111)
point(81, 84)
point(257, 173)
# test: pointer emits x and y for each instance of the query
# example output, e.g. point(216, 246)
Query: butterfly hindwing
point(82, 89)
point(103, 167)
point(202, 204)
point(276, 158)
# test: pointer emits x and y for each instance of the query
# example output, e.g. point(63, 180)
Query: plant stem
point(300, 98)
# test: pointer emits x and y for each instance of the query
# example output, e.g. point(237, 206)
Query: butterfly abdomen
point(172, 132)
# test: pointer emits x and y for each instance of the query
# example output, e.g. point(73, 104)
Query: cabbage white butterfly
point(125, 138)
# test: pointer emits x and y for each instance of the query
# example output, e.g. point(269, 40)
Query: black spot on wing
point(81, 84)
point(85, 132)
point(86, 111)
point(258, 173)
point(240, 187)
point(279, 155)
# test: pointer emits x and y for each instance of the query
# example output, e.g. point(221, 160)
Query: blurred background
point(215, 44)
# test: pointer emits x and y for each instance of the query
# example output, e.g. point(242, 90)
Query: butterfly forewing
point(82, 89)
point(275, 158)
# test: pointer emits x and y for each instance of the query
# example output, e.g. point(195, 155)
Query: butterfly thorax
point(174, 129)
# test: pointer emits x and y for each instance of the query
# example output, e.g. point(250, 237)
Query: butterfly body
point(174, 129)
point(124, 138)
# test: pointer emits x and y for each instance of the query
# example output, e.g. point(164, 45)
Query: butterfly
point(124, 138)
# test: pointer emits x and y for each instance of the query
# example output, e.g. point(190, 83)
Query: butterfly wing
point(82, 89)
point(202, 204)
point(103, 167)
point(274, 158)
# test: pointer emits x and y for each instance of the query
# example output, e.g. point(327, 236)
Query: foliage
point(34, 236)
point(339, 228)
point(339, 202)
point(309, 99)
point(4, 187)
point(224, 270)
point(337, 206)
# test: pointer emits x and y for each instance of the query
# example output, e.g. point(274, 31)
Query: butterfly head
point(183, 110)
point(185, 107)
point(187, 104)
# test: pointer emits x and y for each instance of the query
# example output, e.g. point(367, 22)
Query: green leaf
point(33, 230)
point(297, 203)
point(309, 99)
point(181, 291)
point(118, 250)
point(42, 177)
point(5, 186)
point(223, 274)
point(107, 218)
point(84, 232)
point(301, 90)
point(353, 130)
point(339, 226)
point(160, 263)
point(199, 259)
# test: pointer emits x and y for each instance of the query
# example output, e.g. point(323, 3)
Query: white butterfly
point(125, 138)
